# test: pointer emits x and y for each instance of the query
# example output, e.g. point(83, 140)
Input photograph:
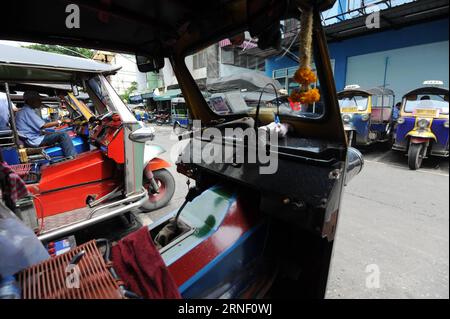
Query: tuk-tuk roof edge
point(429, 89)
point(24, 57)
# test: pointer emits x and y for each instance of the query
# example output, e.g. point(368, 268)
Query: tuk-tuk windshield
point(426, 101)
point(357, 102)
point(106, 99)
point(240, 83)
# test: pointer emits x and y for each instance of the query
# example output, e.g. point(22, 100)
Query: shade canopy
point(248, 81)
point(429, 90)
point(170, 94)
point(22, 64)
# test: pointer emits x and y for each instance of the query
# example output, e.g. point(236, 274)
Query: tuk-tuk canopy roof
point(249, 81)
point(168, 95)
point(373, 91)
point(428, 90)
point(22, 64)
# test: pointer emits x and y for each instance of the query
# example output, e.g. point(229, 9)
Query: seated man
point(29, 124)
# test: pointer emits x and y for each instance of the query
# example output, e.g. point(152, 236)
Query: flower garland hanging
point(304, 75)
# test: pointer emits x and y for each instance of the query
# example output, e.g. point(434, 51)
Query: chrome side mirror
point(355, 163)
point(142, 135)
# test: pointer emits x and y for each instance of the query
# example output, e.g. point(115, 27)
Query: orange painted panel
point(86, 167)
point(65, 200)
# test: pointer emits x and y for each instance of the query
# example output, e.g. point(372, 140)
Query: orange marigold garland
point(304, 75)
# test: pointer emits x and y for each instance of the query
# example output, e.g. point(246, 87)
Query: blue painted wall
point(400, 69)
point(425, 33)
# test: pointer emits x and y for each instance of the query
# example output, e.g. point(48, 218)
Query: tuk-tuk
point(117, 172)
point(422, 128)
point(247, 85)
point(367, 114)
point(179, 114)
point(58, 102)
point(240, 233)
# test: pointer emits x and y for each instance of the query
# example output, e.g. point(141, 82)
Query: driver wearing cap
point(30, 125)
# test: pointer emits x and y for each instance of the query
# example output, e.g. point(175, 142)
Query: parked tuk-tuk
point(179, 114)
point(422, 128)
point(117, 170)
point(367, 114)
point(240, 233)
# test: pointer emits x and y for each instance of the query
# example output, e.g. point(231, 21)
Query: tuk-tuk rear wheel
point(166, 184)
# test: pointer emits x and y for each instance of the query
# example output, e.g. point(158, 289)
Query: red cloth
point(141, 267)
point(16, 187)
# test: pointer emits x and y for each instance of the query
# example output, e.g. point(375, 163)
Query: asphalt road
point(393, 233)
point(394, 222)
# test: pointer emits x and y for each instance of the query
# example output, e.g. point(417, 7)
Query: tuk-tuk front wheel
point(415, 155)
point(166, 184)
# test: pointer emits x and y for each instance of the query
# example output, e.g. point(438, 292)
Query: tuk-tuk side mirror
point(142, 135)
point(149, 63)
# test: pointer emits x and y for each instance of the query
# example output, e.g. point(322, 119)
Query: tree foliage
point(126, 95)
point(72, 51)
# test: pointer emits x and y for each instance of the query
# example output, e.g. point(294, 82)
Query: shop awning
point(148, 95)
point(135, 98)
point(170, 94)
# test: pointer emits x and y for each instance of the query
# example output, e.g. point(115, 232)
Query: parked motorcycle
point(162, 118)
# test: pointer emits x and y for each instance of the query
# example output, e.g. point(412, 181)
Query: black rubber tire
point(164, 177)
point(415, 156)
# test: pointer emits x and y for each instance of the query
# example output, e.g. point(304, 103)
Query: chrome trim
point(87, 222)
point(134, 155)
point(126, 115)
point(107, 196)
point(119, 202)
point(355, 164)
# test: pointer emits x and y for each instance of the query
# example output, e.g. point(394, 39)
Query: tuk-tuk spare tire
point(166, 184)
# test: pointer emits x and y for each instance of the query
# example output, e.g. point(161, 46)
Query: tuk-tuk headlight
point(401, 120)
point(446, 124)
point(423, 123)
point(365, 117)
point(346, 118)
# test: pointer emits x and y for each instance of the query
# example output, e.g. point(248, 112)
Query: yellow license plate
point(349, 109)
point(427, 112)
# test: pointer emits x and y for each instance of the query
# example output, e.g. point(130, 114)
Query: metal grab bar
point(87, 222)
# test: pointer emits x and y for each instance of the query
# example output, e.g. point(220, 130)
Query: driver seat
point(30, 153)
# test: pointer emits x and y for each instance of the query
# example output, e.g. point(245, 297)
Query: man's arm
point(55, 123)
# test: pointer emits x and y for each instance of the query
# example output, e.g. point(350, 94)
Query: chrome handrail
point(64, 230)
